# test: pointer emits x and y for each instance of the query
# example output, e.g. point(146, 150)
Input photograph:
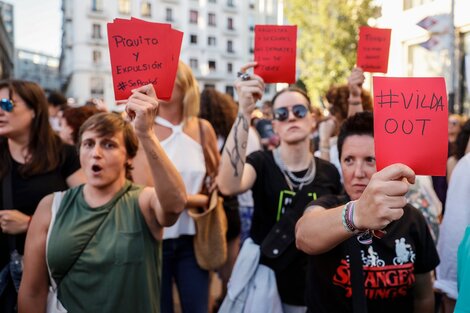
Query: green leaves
point(327, 39)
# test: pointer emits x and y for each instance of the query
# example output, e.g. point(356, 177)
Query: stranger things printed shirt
point(390, 266)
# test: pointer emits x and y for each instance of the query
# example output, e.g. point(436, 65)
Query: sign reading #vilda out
point(410, 123)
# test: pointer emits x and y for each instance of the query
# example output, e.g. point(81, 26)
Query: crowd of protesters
point(94, 204)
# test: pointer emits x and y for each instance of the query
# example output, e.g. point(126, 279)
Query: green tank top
point(120, 268)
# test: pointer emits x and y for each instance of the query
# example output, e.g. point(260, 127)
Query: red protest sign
point(141, 53)
point(410, 123)
point(275, 52)
point(373, 49)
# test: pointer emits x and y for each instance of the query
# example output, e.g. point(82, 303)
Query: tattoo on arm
point(234, 153)
point(153, 154)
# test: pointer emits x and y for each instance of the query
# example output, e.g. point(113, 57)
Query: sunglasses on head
point(6, 104)
point(282, 114)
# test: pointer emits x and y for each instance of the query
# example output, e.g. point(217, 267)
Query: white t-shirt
point(188, 157)
point(456, 219)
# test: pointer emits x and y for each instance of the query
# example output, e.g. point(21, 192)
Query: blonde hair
point(189, 86)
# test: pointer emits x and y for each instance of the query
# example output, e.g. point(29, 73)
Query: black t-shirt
point(28, 192)
point(271, 196)
point(390, 265)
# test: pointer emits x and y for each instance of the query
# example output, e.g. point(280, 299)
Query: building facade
point(218, 39)
point(431, 38)
point(38, 67)
point(6, 40)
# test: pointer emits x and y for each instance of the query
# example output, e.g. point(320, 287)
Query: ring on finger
point(245, 77)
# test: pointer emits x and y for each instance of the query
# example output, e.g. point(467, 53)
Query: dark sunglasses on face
point(282, 114)
point(6, 104)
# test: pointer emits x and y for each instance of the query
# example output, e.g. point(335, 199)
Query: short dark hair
point(293, 89)
point(108, 124)
point(361, 123)
point(57, 99)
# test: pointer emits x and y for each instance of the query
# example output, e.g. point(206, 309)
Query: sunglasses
point(282, 114)
point(7, 105)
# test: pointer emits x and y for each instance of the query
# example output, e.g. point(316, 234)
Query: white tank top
point(188, 158)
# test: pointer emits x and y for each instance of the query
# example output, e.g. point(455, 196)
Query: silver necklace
point(295, 181)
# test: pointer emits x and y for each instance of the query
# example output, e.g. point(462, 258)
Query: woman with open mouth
point(101, 241)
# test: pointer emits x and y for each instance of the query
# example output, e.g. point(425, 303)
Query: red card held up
point(373, 49)
point(141, 53)
point(275, 52)
point(410, 123)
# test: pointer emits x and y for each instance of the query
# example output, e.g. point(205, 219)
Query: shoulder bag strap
point(8, 203)
point(54, 209)
point(91, 236)
point(7, 192)
point(282, 234)
point(208, 160)
point(359, 300)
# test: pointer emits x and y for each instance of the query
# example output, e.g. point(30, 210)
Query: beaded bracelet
point(347, 217)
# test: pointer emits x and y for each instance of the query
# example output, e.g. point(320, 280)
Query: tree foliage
point(327, 39)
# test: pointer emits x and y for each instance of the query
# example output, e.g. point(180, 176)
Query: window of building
point(169, 15)
point(251, 23)
point(124, 6)
point(211, 19)
point(252, 46)
point(96, 56)
point(229, 90)
point(229, 68)
point(193, 16)
point(97, 5)
point(212, 65)
point(230, 23)
point(146, 9)
point(408, 4)
point(212, 1)
point(208, 86)
point(267, 88)
point(96, 86)
point(194, 64)
point(251, 4)
point(96, 32)
point(230, 46)
point(230, 3)
point(211, 41)
point(193, 39)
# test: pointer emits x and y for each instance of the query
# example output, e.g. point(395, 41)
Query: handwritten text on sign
point(410, 123)
point(275, 52)
point(373, 49)
point(143, 53)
